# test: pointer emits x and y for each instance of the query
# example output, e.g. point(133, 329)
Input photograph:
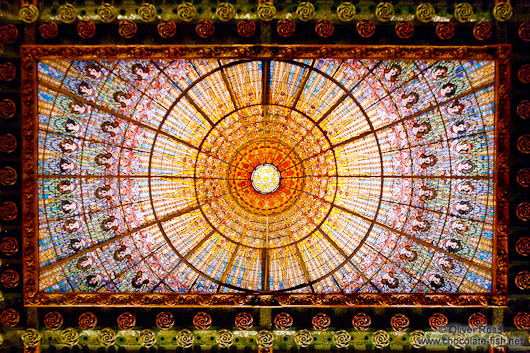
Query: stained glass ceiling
point(311, 176)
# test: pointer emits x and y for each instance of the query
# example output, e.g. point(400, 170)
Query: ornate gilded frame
point(30, 54)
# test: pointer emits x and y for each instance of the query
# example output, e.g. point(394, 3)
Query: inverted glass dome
point(228, 176)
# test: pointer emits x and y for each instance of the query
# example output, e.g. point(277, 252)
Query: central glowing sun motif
point(265, 178)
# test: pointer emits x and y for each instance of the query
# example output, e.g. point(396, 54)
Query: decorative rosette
point(463, 12)
point(266, 12)
point(28, 13)
point(305, 11)
point(8, 245)
point(404, 29)
point(482, 30)
point(425, 12)
point(502, 11)
point(67, 13)
point(8, 34)
point(346, 12)
point(477, 320)
point(399, 322)
point(49, 30)
point(53, 320)
point(524, 31)
point(225, 11)
point(418, 338)
point(8, 72)
point(86, 29)
point(30, 337)
point(523, 144)
point(107, 13)
point(185, 338)
point(246, 28)
point(361, 321)
point(365, 28)
point(147, 12)
point(523, 178)
point(303, 338)
point(498, 339)
point(321, 322)
point(285, 28)
point(10, 278)
point(224, 338)
point(167, 29)
point(524, 73)
point(8, 143)
point(9, 317)
point(202, 321)
point(523, 210)
point(265, 339)
point(523, 109)
point(283, 321)
point(341, 339)
point(165, 320)
point(445, 30)
point(7, 109)
point(380, 339)
point(438, 322)
point(523, 244)
point(244, 321)
point(186, 11)
point(205, 28)
point(522, 321)
point(127, 29)
point(126, 321)
point(107, 337)
point(8, 177)
point(69, 337)
point(147, 338)
point(384, 11)
point(87, 320)
point(324, 28)
point(457, 340)
point(522, 280)
point(8, 212)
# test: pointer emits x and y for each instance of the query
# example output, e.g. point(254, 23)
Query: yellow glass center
point(265, 178)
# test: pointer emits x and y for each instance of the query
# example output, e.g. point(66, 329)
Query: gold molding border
point(30, 54)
